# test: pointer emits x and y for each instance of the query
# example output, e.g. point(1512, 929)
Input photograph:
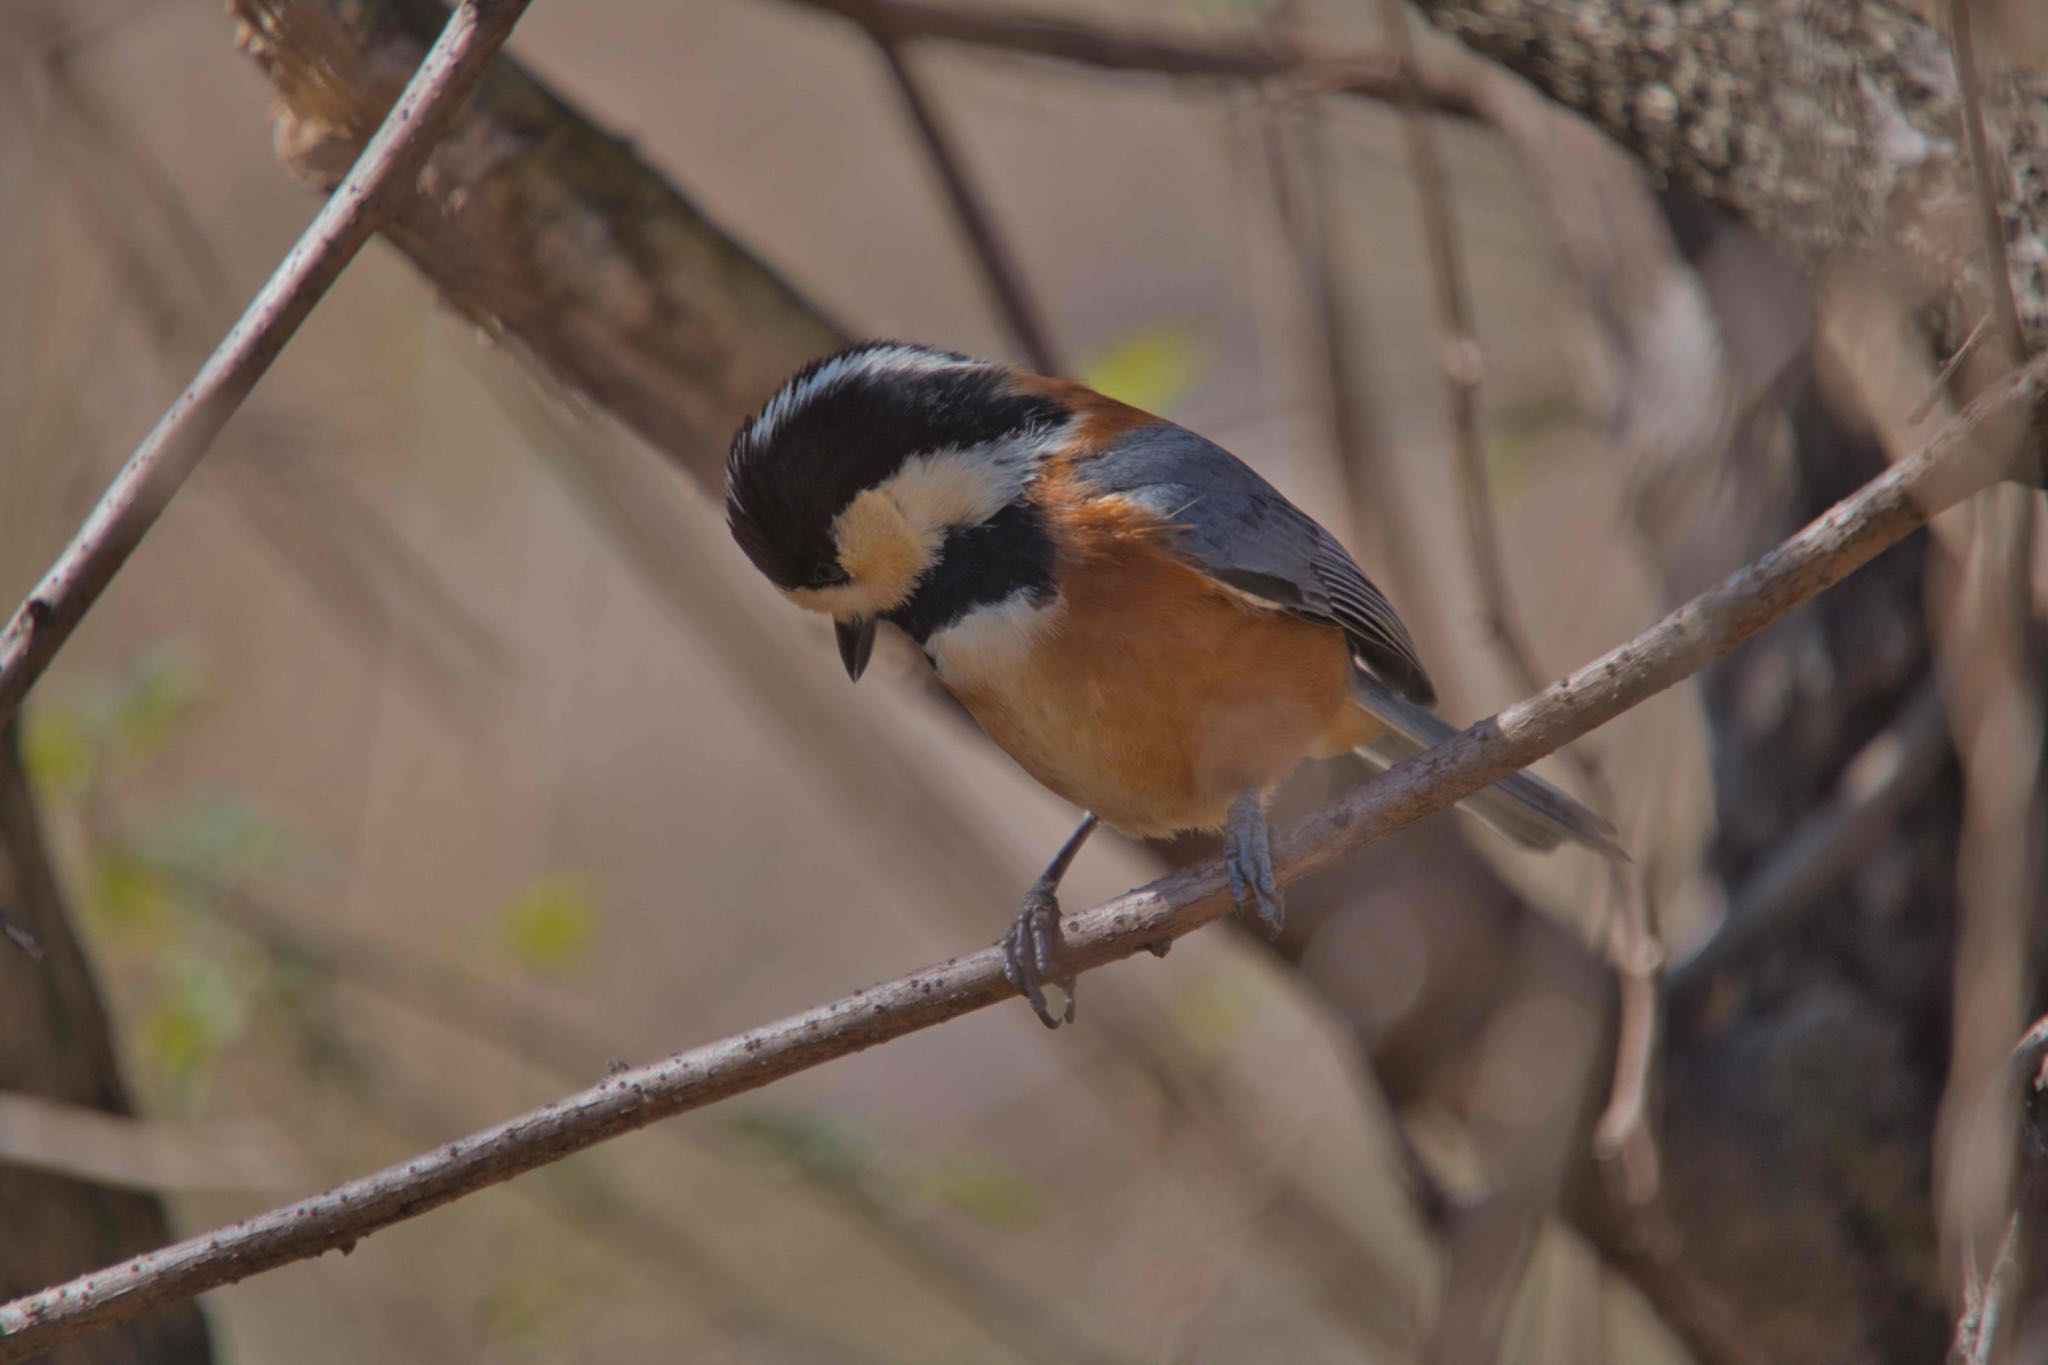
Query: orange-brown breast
point(1155, 695)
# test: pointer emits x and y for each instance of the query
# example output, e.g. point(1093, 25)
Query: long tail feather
point(1525, 808)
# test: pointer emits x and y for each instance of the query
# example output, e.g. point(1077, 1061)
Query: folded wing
point(1234, 526)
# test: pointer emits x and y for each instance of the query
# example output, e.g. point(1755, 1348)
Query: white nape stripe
point(966, 485)
point(879, 360)
point(992, 641)
point(889, 537)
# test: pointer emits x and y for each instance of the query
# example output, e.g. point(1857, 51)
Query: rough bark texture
point(537, 223)
point(58, 1044)
point(1805, 1067)
point(1826, 126)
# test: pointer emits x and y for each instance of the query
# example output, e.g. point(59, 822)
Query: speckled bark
point(1825, 124)
point(555, 234)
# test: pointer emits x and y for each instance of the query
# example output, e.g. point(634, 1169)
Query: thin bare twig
point(2019, 1086)
point(1368, 75)
point(21, 936)
point(1309, 221)
point(1875, 788)
point(1979, 624)
point(682, 1261)
point(1984, 1300)
point(1948, 372)
point(1622, 1133)
point(486, 1013)
point(964, 868)
point(1994, 708)
point(1998, 271)
point(999, 268)
point(1848, 536)
point(146, 483)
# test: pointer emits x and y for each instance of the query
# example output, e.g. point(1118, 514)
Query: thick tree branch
point(159, 466)
point(531, 214)
point(1949, 468)
point(549, 230)
point(1259, 56)
point(556, 235)
point(1827, 127)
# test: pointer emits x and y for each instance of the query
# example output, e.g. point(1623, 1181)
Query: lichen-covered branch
point(1827, 126)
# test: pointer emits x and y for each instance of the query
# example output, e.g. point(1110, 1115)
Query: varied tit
point(1130, 611)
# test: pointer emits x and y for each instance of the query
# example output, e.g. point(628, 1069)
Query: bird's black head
point(844, 488)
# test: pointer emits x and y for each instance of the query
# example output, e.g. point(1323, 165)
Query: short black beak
point(856, 643)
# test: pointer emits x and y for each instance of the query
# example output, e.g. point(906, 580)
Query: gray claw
point(1031, 955)
point(1248, 856)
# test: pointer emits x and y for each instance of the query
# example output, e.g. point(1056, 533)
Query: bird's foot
point(1248, 856)
point(1031, 955)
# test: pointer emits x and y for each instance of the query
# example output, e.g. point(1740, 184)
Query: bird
point(1133, 614)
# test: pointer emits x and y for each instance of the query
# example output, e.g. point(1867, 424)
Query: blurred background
point(439, 749)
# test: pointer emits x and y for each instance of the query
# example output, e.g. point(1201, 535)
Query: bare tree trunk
point(58, 1044)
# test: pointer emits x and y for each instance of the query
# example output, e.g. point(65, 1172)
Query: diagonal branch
point(548, 229)
point(1245, 57)
point(1829, 128)
point(1494, 1261)
point(160, 465)
point(1622, 1136)
point(999, 269)
point(1949, 468)
point(1828, 842)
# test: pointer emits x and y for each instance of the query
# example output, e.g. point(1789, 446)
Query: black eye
point(828, 576)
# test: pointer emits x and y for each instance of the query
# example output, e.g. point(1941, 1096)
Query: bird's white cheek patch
point(989, 644)
point(954, 488)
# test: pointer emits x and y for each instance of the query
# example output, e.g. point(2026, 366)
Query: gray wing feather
point(1235, 527)
point(1521, 805)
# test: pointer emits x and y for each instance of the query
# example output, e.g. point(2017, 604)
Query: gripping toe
point(1031, 957)
point(1248, 857)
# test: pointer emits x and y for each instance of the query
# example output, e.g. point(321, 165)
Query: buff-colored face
point(890, 535)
